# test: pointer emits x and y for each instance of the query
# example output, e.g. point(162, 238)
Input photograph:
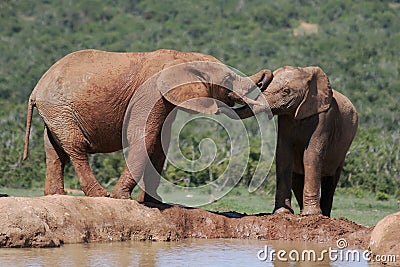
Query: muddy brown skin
point(83, 98)
point(316, 126)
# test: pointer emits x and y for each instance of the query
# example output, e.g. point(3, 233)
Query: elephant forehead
point(280, 82)
point(289, 72)
point(289, 76)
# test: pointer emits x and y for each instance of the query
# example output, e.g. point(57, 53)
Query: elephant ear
point(318, 96)
point(187, 86)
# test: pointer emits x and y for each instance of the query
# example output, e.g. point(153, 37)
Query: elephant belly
point(80, 133)
point(105, 144)
point(103, 135)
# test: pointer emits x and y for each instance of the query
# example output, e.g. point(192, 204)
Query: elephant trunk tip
point(265, 80)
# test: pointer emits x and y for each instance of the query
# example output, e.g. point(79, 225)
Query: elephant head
point(299, 92)
point(198, 86)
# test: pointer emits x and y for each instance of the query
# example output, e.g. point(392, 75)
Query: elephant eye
point(285, 91)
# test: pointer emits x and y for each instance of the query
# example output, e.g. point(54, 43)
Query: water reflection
point(221, 252)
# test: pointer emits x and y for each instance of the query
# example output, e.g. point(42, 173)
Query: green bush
point(357, 44)
point(382, 196)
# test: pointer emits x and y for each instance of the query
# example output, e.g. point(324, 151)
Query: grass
point(17, 192)
point(240, 200)
point(362, 208)
point(33, 192)
point(365, 210)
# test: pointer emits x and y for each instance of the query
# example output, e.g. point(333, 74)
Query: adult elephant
point(316, 126)
point(83, 100)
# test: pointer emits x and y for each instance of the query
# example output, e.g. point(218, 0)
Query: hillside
point(357, 43)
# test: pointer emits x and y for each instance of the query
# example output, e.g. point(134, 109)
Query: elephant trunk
point(248, 110)
point(262, 79)
point(251, 107)
point(246, 85)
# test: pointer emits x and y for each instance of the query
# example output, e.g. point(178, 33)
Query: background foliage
point(357, 43)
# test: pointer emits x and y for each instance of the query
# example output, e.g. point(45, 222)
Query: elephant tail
point(31, 105)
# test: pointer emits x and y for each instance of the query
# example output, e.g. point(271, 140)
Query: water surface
point(196, 252)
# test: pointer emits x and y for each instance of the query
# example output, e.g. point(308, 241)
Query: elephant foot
point(54, 192)
point(121, 193)
point(283, 210)
point(311, 210)
point(143, 197)
point(52, 188)
point(96, 190)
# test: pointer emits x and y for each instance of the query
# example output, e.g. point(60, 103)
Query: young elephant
point(316, 126)
point(85, 97)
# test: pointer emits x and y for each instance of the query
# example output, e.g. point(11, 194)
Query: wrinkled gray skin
point(83, 99)
point(316, 126)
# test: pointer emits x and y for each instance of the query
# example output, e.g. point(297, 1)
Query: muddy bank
point(55, 220)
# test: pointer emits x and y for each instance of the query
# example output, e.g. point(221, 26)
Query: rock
point(55, 220)
point(385, 238)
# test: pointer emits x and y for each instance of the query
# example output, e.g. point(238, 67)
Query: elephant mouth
point(285, 108)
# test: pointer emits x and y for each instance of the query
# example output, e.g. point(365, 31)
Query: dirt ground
point(55, 220)
point(316, 229)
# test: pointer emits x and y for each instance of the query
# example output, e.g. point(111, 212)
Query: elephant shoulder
point(82, 54)
point(346, 108)
point(343, 101)
point(196, 56)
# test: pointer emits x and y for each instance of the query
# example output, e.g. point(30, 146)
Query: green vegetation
point(357, 43)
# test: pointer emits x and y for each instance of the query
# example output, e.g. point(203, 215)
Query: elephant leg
point(65, 128)
point(284, 167)
point(136, 164)
point(125, 176)
point(55, 163)
point(151, 180)
point(298, 187)
point(152, 176)
point(328, 186)
point(143, 137)
point(312, 183)
point(154, 168)
point(90, 186)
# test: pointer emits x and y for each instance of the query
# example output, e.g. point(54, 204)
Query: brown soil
point(55, 220)
point(318, 229)
point(305, 29)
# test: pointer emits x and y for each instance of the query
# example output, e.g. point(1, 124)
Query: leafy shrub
point(357, 44)
point(382, 196)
